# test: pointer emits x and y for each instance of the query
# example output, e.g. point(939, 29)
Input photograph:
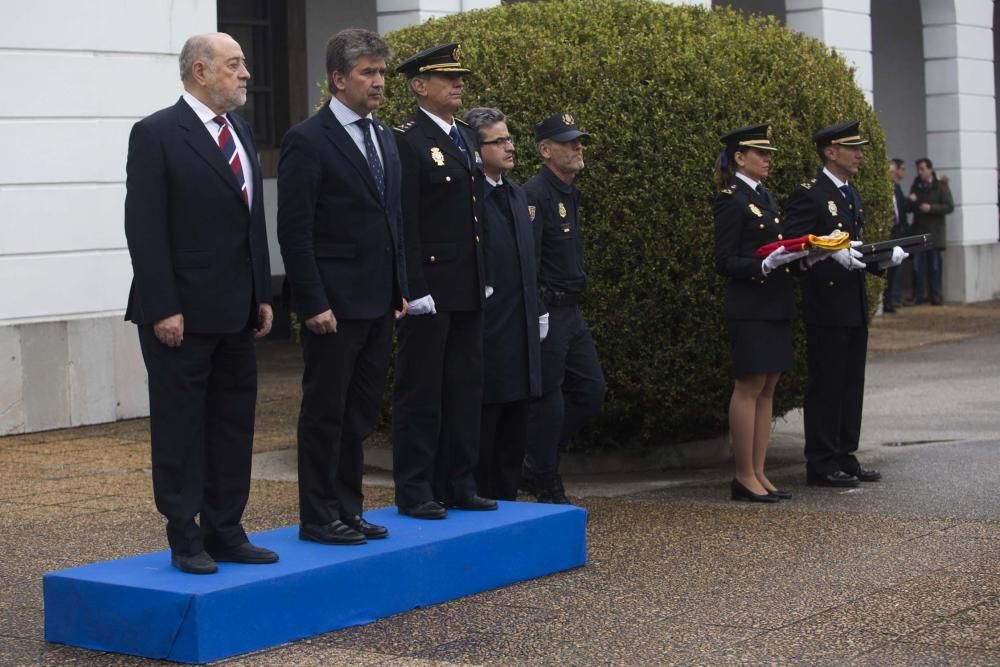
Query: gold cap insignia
point(770, 135)
point(755, 210)
point(531, 213)
point(456, 53)
point(831, 207)
point(437, 156)
point(562, 210)
point(567, 119)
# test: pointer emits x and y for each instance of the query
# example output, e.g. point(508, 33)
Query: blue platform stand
point(143, 606)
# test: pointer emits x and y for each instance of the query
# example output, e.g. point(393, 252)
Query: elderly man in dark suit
point(339, 225)
point(439, 367)
point(201, 292)
point(515, 319)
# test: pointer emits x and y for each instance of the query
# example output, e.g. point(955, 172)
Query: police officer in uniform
point(572, 380)
point(836, 311)
point(759, 302)
point(439, 364)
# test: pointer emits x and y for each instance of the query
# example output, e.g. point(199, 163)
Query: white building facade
point(77, 75)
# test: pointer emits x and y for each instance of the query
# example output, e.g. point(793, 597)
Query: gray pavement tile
point(25, 652)
point(926, 656)
point(984, 559)
point(501, 649)
point(984, 530)
point(977, 627)
point(21, 621)
point(305, 653)
point(397, 635)
point(805, 643)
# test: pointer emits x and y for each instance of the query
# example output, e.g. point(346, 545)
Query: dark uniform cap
point(841, 134)
point(561, 127)
point(751, 136)
point(441, 58)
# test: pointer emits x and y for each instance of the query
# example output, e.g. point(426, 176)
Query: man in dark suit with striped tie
point(340, 229)
point(201, 293)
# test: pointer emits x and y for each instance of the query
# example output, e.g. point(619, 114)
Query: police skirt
point(760, 346)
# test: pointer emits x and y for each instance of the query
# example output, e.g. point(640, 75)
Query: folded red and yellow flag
point(837, 240)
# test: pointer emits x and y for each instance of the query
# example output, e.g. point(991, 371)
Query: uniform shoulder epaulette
point(727, 191)
point(807, 184)
point(461, 122)
point(405, 127)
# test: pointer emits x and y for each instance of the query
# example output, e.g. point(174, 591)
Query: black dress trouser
point(202, 397)
point(342, 385)
point(835, 390)
point(503, 434)
point(436, 407)
point(572, 388)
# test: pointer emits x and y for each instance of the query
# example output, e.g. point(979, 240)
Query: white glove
point(488, 291)
point(848, 258)
point(422, 306)
point(780, 257)
point(543, 326)
point(898, 256)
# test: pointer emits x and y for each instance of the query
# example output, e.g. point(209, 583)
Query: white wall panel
point(949, 41)
point(64, 151)
point(973, 224)
point(953, 75)
point(83, 85)
point(153, 26)
point(40, 286)
point(59, 218)
point(951, 150)
point(861, 6)
point(960, 112)
point(967, 12)
point(974, 186)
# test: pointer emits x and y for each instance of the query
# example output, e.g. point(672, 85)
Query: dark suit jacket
point(442, 215)
point(832, 295)
point(512, 366)
point(196, 248)
point(901, 227)
point(744, 221)
point(342, 244)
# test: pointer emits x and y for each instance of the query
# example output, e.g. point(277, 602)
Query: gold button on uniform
point(473, 197)
point(787, 270)
point(840, 224)
point(433, 258)
point(780, 237)
point(448, 179)
point(831, 283)
point(777, 221)
point(475, 218)
point(477, 238)
point(762, 225)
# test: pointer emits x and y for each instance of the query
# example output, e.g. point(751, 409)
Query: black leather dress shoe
point(549, 489)
point(200, 563)
point(369, 530)
point(246, 553)
point(838, 479)
point(780, 495)
point(427, 510)
point(867, 474)
point(474, 503)
point(740, 492)
point(335, 532)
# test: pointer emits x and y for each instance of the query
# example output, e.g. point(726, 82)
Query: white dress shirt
point(207, 117)
point(746, 179)
point(348, 118)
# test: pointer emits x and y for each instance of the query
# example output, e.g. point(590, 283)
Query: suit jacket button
point(473, 198)
point(787, 270)
point(475, 219)
point(831, 283)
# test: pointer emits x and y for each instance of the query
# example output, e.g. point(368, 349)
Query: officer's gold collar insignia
point(567, 119)
point(531, 213)
point(830, 206)
point(437, 156)
point(562, 210)
point(755, 210)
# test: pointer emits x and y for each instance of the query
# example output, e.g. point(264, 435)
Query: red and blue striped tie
point(228, 147)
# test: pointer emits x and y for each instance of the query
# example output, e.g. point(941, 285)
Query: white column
point(394, 14)
point(845, 25)
point(961, 139)
point(707, 4)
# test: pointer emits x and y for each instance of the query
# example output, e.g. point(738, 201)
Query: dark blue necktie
point(373, 162)
point(850, 200)
point(456, 137)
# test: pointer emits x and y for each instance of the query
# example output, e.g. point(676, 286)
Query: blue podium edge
point(428, 555)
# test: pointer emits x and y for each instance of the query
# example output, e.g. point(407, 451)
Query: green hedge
point(656, 85)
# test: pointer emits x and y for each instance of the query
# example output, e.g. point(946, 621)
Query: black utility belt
point(553, 297)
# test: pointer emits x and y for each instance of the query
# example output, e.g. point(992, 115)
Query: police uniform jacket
point(553, 205)
point(744, 221)
point(512, 351)
point(831, 295)
point(442, 202)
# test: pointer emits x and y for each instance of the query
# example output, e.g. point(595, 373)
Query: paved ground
point(903, 572)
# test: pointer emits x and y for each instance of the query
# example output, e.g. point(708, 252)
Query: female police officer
point(758, 302)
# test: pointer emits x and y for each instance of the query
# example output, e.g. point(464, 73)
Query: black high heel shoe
point(780, 495)
point(740, 492)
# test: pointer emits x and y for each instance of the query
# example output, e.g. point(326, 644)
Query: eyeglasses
point(499, 141)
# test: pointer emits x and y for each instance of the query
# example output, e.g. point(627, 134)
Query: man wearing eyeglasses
point(514, 324)
point(572, 380)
